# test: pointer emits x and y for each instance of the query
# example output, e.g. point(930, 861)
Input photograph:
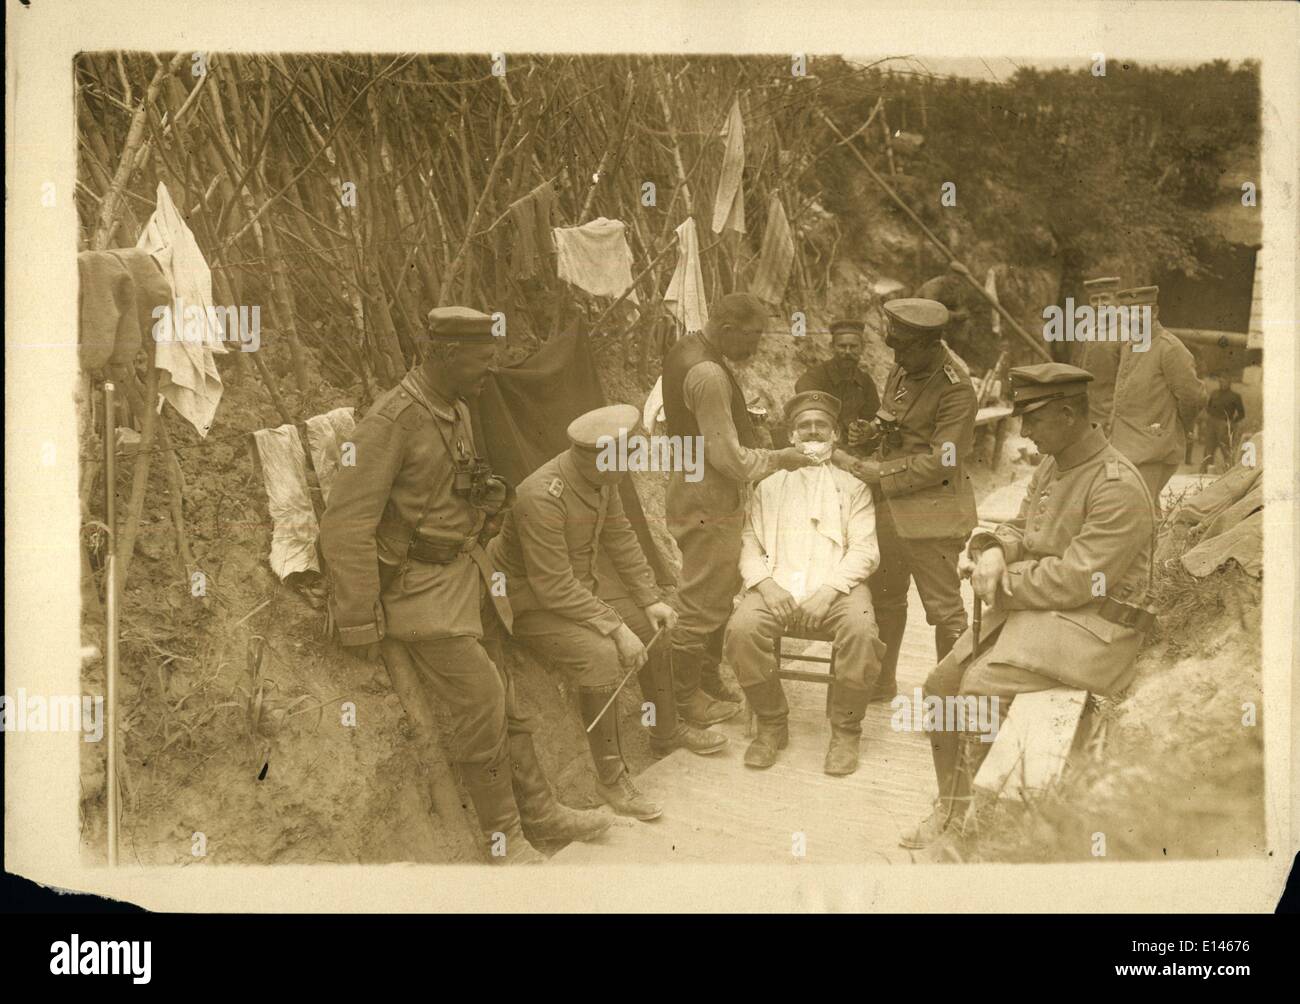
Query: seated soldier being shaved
point(809, 544)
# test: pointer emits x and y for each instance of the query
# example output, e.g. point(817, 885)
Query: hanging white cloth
point(294, 528)
point(684, 299)
point(729, 203)
point(991, 287)
point(595, 257)
point(775, 257)
point(185, 337)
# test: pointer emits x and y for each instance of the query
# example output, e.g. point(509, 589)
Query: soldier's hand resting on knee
point(631, 653)
point(778, 600)
point(661, 615)
point(991, 575)
point(811, 613)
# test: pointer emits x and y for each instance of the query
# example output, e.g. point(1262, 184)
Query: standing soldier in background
point(1100, 357)
point(703, 399)
point(401, 539)
point(1223, 415)
point(565, 510)
point(843, 377)
point(925, 504)
point(1157, 396)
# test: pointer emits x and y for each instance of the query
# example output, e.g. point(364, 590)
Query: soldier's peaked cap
point(1138, 296)
point(590, 431)
point(1103, 285)
point(1034, 386)
point(812, 400)
point(848, 324)
point(460, 324)
point(916, 316)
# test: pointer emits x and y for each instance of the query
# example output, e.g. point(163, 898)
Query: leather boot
point(490, 790)
point(768, 701)
point(712, 681)
point(944, 750)
point(613, 780)
point(848, 706)
point(669, 732)
point(886, 685)
point(693, 705)
point(541, 814)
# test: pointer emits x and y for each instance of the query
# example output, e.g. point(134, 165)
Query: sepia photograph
point(632, 455)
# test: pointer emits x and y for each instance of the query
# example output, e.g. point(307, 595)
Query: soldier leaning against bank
point(401, 539)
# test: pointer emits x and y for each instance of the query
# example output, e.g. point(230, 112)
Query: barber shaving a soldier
point(808, 545)
point(402, 538)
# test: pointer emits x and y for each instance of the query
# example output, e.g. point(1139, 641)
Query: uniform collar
point(583, 488)
point(418, 384)
point(1082, 449)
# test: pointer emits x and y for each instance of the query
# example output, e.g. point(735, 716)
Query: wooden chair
point(827, 678)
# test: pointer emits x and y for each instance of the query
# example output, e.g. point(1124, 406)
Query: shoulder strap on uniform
point(398, 401)
point(556, 488)
point(1112, 469)
point(951, 373)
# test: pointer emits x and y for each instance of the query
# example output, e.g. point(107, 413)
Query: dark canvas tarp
point(523, 412)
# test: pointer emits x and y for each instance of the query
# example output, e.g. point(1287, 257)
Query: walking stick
point(627, 676)
point(110, 614)
point(979, 616)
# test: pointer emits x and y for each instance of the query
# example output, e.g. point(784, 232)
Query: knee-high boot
point(491, 791)
point(613, 779)
point(669, 732)
point(543, 816)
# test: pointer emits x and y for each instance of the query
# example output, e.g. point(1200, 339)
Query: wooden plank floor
point(716, 810)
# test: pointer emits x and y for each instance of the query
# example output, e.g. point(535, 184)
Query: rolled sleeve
point(707, 392)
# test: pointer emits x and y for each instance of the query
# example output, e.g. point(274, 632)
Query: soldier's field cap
point(1138, 296)
point(1034, 386)
point(1108, 284)
point(460, 324)
point(812, 400)
point(915, 316)
point(592, 430)
point(848, 324)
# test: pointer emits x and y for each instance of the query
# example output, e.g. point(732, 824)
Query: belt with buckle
point(437, 552)
point(1126, 615)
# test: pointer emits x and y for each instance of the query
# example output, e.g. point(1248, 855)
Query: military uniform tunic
point(405, 449)
point(1157, 398)
point(924, 507)
point(1083, 533)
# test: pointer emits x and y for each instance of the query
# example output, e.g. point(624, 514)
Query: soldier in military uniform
point(1100, 356)
point(594, 630)
point(1072, 572)
point(843, 377)
point(703, 399)
point(925, 504)
point(1157, 397)
point(401, 539)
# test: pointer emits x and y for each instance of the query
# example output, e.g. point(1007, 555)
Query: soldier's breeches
point(753, 633)
point(474, 692)
point(710, 574)
point(586, 656)
point(933, 566)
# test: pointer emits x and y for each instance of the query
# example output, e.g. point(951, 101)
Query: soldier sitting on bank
point(808, 545)
point(596, 631)
point(1072, 570)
